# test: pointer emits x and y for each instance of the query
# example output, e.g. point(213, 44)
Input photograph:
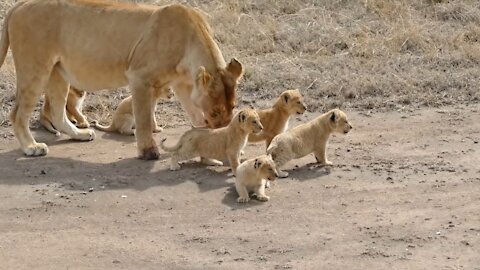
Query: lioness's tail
point(97, 125)
point(5, 41)
point(171, 148)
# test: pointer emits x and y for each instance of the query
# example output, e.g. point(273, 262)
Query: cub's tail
point(171, 148)
point(97, 125)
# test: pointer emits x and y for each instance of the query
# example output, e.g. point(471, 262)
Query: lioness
point(307, 138)
point(275, 119)
point(252, 176)
point(73, 109)
point(123, 121)
point(94, 45)
point(220, 143)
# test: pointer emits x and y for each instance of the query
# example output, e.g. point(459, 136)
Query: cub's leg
point(29, 88)
point(126, 124)
point(242, 192)
point(75, 100)
point(57, 91)
point(174, 162)
point(156, 128)
point(260, 191)
point(234, 160)
point(142, 111)
point(321, 155)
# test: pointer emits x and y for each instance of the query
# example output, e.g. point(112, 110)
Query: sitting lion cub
point(307, 138)
point(275, 119)
point(73, 108)
point(220, 143)
point(123, 120)
point(252, 175)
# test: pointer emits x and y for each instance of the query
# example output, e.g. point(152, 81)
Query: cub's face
point(249, 120)
point(265, 167)
point(339, 121)
point(293, 101)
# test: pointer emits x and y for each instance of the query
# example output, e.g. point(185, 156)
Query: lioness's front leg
point(142, 111)
point(56, 93)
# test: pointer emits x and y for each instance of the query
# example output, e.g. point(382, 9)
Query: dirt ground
point(404, 193)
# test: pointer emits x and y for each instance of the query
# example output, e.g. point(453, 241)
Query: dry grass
point(369, 54)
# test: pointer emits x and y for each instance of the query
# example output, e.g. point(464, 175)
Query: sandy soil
point(404, 194)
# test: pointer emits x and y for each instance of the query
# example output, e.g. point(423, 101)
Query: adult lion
point(98, 45)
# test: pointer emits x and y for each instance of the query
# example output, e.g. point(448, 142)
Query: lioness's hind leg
point(57, 91)
point(29, 89)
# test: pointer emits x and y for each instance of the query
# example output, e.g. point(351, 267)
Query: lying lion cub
point(73, 108)
point(123, 120)
point(307, 138)
point(275, 119)
point(220, 143)
point(252, 175)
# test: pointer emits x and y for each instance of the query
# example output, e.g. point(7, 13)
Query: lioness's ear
point(203, 77)
point(235, 68)
point(241, 117)
point(333, 117)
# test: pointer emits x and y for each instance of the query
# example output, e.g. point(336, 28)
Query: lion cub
point(220, 143)
point(307, 138)
point(252, 176)
point(275, 119)
point(123, 120)
point(73, 108)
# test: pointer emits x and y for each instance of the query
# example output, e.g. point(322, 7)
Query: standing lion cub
point(311, 137)
point(275, 119)
point(123, 120)
point(220, 143)
point(252, 176)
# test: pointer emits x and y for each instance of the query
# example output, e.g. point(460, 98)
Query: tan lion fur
point(311, 137)
point(275, 119)
point(123, 120)
point(221, 143)
point(73, 108)
point(252, 176)
point(95, 45)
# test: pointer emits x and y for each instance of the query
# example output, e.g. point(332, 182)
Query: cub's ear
point(235, 68)
point(241, 117)
point(257, 164)
point(203, 78)
point(333, 117)
point(286, 97)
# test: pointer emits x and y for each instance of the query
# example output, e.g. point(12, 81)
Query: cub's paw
point(282, 174)
point(36, 149)
point(175, 167)
point(267, 184)
point(157, 129)
point(243, 199)
point(263, 198)
point(84, 135)
point(211, 162)
point(83, 124)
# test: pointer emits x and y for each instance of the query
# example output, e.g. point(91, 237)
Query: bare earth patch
point(404, 194)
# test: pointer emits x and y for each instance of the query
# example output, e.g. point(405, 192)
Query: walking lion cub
point(311, 137)
point(221, 143)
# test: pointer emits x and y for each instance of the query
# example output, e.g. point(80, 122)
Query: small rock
point(43, 172)
point(124, 196)
point(437, 233)
point(90, 189)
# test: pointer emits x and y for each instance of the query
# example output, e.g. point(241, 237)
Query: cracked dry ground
point(404, 194)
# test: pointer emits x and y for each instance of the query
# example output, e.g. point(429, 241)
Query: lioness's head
point(248, 120)
point(217, 93)
point(265, 167)
point(292, 101)
point(338, 121)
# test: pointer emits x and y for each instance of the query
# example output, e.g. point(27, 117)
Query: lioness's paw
point(211, 162)
point(328, 163)
point(150, 153)
point(243, 199)
point(83, 124)
point(157, 129)
point(84, 135)
point(282, 174)
point(263, 198)
point(35, 150)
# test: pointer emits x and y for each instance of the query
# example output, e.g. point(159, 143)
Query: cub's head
point(292, 101)
point(248, 120)
point(338, 121)
point(265, 167)
point(163, 93)
point(215, 94)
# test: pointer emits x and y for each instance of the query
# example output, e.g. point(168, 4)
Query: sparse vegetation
point(370, 54)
